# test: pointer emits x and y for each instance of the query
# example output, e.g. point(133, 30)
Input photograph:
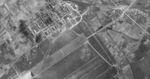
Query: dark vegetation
point(113, 71)
point(23, 29)
point(48, 20)
point(38, 38)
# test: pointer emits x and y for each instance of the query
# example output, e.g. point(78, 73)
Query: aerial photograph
point(74, 39)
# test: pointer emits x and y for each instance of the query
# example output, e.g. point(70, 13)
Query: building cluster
point(54, 18)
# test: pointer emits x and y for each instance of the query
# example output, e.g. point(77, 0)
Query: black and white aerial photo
point(74, 39)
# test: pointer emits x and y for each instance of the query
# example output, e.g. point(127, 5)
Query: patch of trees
point(38, 38)
point(23, 29)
